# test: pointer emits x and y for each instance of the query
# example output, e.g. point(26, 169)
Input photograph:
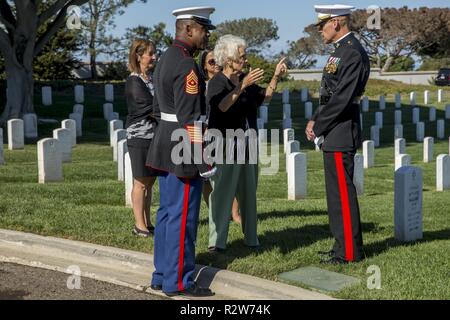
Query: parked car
point(443, 77)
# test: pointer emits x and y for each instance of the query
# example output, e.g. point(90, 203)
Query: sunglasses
point(212, 62)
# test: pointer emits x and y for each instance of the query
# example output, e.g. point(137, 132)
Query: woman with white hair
point(234, 99)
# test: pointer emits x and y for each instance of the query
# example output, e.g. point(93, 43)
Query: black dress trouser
point(343, 208)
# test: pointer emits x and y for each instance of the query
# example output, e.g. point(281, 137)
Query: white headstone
point(358, 174)
point(415, 115)
point(286, 111)
point(412, 98)
point(264, 113)
point(122, 149)
point(288, 135)
point(109, 93)
point(79, 94)
point(382, 102)
point(113, 126)
point(441, 129)
point(47, 96)
point(2, 159)
point(402, 160)
point(15, 134)
point(398, 117)
point(443, 172)
point(79, 121)
point(118, 135)
point(49, 160)
point(292, 147)
point(30, 125)
point(447, 111)
point(398, 100)
point(285, 98)
point(308, 110)
point(398, 131)
point(408, 204)
point(128, 180)
point(426, 97)
point(71, 125)
point(432, 114)
point(260, 123)
point(365, 104)
point(440, 95)
point(375, 135)
point(400, 146)
point(107, 110)
point(304, 95)
point(64, 136)
point(78, 108)
point(297, 176)
point(287, 123)
point(420, 131)
point(369, 154)
point(428, 143)
point(379, 119)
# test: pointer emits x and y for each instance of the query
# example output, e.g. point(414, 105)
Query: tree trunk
point(388, 64)
point(20, 90)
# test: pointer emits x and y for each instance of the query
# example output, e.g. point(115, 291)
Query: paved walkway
point(133, 269)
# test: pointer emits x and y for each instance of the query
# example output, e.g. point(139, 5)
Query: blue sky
point(291, 16)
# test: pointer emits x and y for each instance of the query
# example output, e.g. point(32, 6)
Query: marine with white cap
point(179, 102)
point(336, 128)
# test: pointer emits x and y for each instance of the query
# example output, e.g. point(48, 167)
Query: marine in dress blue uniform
point(336, 127)
point(178, 103)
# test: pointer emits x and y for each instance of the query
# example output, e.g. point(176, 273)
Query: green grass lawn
point(89, 206)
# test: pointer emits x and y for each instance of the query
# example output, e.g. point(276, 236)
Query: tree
point(301, 53)
point(257, 32)
point(20, 43)
point(403, 32)
point(57, 60)
point(157, 34)
point(99, 17)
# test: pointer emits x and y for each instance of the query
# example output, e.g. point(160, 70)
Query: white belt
point(169, 117)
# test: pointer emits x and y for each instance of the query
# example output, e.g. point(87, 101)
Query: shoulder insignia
point(191, 86)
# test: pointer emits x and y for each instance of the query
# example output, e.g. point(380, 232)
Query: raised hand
point(252, 77)
point(281, 68)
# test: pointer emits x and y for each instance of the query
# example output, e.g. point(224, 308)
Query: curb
point(133, 269)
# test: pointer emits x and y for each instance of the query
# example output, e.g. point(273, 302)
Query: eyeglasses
point(212, 62)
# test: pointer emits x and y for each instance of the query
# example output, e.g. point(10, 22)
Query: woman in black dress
point(140, 126)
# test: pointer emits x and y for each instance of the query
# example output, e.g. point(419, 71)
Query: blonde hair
point(227, 47)
point(138, 48)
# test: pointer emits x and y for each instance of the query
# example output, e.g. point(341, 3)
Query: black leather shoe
point(140, 233)
point(194, 291)
point(333, 260)
point(156, 287)
point(151, 229)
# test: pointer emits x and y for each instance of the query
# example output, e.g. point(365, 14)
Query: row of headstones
point(47, 96)
point(415, 116)
point(398, 100)
point(118, 141)
point(296, 164)
point(52, 152)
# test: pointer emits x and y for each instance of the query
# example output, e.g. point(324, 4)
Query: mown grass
point(89, 206)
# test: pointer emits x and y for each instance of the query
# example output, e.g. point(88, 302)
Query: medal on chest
point(332, 65)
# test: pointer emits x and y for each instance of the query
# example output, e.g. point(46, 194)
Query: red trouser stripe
point(346, 217)
point(187, 187)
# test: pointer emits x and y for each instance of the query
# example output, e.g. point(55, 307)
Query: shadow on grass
point(262, 216)
point(377, 248)
point(285, 241)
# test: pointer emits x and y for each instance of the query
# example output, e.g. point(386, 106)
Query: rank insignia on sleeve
point(191, 86)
